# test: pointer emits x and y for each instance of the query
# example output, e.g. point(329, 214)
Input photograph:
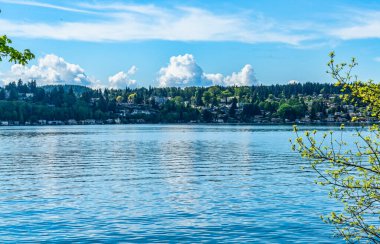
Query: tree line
point(26, 101)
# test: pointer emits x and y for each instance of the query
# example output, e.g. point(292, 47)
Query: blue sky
point(141, 43)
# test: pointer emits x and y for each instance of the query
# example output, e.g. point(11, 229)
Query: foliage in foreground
point(353, 175)
point(351, 170)
point(13, 55)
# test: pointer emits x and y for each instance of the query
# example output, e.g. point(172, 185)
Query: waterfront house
point(72, 122)
point(41, 122)
point(330, 118)
point(55, 122)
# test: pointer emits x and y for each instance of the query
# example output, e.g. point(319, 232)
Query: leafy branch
point(13, 55)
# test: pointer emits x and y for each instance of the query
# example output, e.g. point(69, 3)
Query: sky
point(116, 44)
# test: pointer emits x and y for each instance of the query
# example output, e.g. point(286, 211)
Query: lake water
point(158, 183)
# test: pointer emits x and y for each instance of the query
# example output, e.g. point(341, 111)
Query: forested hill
point(77, 89)
point(29, 103)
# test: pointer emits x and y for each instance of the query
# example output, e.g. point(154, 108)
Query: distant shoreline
point(333, 124)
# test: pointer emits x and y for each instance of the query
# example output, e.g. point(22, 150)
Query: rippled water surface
point(158, 183)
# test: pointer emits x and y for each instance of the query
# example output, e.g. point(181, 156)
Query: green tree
point(132, 98)
point(70, 98)
point(10, 53)
point(286, 111)
point(250, 110)
point(351, 170)
point(207, 116)
point(119, 99)
point(207, 96)
point(198, 98)
point(226, 94)
point(232, 110)
point(178, 100)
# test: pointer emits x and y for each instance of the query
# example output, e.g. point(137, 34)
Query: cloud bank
point(49, 69)
point(183, 71)
point(54, 70)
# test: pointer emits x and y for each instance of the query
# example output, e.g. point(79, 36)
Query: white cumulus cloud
point(123, 79)
point(245, 77)
point(183, 71)
point(49, 69)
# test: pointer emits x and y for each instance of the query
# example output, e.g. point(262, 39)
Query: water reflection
point(157, 183)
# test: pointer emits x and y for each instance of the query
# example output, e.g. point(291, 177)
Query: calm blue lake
point(158, 183)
